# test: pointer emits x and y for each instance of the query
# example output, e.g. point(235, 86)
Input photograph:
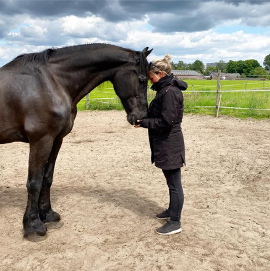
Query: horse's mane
point(43, 57)
point(40, 58)
point(143, 62)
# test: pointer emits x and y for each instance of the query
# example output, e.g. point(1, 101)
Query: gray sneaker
point(163, 215)
point(170, 227)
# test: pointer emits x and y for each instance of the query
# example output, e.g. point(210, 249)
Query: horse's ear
point(146, 52)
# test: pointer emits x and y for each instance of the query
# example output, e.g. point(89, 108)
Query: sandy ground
point(108, 193)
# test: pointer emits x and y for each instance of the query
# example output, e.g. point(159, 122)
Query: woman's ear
point(161, 74)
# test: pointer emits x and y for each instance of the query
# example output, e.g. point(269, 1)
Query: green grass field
point(226, 85)
point(104, 98)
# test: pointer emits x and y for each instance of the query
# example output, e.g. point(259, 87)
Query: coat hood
point(169, 80)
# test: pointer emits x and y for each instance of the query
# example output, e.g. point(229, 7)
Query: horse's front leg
point(38, 157)
point(46, 213)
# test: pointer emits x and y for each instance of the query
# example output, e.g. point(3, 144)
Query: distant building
point(214, 64)
point(225, 76)
point(187, 74)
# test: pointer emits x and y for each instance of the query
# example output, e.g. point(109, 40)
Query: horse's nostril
point(132, 119)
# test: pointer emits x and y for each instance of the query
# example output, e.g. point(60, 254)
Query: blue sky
point(246, 29)
point(206, 30)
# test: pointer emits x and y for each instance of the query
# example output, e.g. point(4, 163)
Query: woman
point(166, 139)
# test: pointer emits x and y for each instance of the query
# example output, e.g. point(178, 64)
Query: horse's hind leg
point(46, 213)
point(39, 154)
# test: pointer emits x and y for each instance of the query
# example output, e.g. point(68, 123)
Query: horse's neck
point(80, 74)
point(94, 82)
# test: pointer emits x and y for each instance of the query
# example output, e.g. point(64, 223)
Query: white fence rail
point(228, 107)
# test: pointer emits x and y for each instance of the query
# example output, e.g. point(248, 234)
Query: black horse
point(38, 97)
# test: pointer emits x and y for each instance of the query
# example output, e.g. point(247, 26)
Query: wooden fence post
point(87, 101)
point(217, 95)
point(218, 104)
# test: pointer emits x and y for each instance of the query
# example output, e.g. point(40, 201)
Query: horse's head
point(130, 84)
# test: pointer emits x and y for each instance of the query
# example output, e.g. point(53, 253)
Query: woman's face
point(154, 77)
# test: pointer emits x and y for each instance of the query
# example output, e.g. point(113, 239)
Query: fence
point(265, 85)
point(193, 102)
point(219, 96)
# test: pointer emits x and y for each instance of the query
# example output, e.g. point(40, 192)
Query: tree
point(198, 66)
point(189, 67)
point(221, 65)
point(260, 72)
point(210, 69)
point(174, 66)
point(231, 66)
point(266, 62)
point(240, 66)
point(250, 65)
point(181, 65)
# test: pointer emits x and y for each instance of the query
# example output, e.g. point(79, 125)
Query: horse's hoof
point(34, 237)
point(54, 225)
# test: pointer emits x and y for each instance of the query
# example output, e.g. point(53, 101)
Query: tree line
point(246, 68)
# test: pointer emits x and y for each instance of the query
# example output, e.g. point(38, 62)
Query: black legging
point(173, 178)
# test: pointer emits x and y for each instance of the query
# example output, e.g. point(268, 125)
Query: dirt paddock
point(107, 193)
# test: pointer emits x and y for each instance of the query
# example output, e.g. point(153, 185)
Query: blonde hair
point(162, 65)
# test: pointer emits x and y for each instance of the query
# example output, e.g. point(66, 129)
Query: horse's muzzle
point(133, 117)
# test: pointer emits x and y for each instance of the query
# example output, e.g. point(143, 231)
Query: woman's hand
point(137, 125)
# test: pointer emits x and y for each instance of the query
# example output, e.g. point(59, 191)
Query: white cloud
point(7, 53)
point(33, 31)
point(207, 46)
point(94, 27)
point(25, 33)
point(76, 26)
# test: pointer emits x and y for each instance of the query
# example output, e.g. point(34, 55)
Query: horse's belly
point(11, 121)
point(12, 135)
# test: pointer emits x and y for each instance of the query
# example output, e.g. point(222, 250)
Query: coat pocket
point(160, 144)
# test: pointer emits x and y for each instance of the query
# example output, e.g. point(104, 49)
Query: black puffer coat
point(164, 123)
